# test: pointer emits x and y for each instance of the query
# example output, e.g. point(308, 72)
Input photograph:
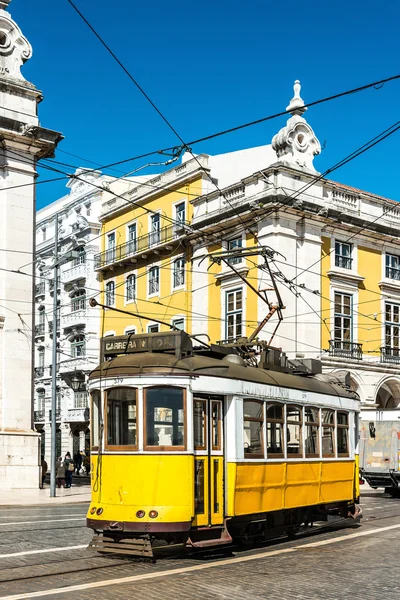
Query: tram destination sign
point(177, 341)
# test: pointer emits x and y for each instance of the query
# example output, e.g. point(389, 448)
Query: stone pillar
point(22, 142)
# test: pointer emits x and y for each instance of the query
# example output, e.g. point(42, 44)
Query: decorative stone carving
point(15, 49)
point(296, 143)
point(80, 182)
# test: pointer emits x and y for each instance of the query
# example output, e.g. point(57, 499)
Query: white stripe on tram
point(202, 567)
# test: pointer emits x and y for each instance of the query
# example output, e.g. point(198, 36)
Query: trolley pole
point(54, 366)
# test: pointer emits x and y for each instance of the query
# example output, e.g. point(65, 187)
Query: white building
point(22, 142)
point(78, 329)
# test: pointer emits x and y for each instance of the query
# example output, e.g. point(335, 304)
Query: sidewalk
point(34, 497)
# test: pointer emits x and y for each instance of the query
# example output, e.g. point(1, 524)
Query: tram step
point(132, 546)
point(204, 538)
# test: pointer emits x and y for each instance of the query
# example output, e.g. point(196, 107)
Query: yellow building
point(334, 254)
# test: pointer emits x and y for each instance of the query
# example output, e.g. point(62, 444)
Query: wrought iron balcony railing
point(141, 244)
point(390, 355)
point(344, 262)
point(39, 329)
point(345, 349)
point(39, 371)
point(392, 273)
point(38, 415)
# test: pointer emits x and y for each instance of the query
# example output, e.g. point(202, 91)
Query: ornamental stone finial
point(14, 47)
point(296, 144)
point(296, 105)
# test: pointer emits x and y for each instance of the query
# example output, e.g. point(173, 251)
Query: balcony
point(344, 349)
point(39, 416)
point(40, 289)
point(75, 318)
point(39, 330)
point(75, 273)
point(139, 246)
point(81, 363)
point(78, 415)
point(38, 372)
point(390, 355)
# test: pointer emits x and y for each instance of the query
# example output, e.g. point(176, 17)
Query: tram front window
point(96, 416)
point(122, 417)
point(165, 417)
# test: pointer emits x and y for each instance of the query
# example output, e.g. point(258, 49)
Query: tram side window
point(311, 432)
point(343, 434)
point(275, 424)
point(328, 432)
point(95, 418)
point(293, 432)
point(122, 417)
point(253, 419)
point(199, 416)
point(165, 418)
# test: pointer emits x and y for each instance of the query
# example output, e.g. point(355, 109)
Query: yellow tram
point(199, 448)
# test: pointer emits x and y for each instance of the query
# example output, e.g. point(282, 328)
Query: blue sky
point(211, 65)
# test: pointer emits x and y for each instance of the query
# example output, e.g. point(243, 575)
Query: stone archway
point(388, 395)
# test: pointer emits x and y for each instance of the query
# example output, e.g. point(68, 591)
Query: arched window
point(179, 272)
point(110, 293)
point(154, 280)
point(130, 288)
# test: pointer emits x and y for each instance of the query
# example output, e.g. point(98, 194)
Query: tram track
point(173, 552)
point(110, 565)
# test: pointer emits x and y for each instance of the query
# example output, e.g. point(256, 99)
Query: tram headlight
point(153, 514)
point(93, 510)
point(99, 511)
point(140, 514)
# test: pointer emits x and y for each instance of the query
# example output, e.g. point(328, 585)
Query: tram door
point(208, 460)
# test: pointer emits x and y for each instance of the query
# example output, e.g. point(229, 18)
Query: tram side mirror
point(372, 431)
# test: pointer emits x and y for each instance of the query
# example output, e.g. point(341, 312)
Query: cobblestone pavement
point(340, 564)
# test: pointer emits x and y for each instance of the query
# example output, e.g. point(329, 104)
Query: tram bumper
point(138, 527)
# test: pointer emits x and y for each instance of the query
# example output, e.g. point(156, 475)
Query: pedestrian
point(60, 472)
point(44, 466)
point(69, 469)
point(78, 462)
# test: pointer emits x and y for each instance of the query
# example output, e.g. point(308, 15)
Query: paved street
point(43, 554)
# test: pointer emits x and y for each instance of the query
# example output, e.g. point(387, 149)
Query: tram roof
point(153, 363)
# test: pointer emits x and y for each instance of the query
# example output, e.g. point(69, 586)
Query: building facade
point(334, 252)
point(22, 143)
point(78, 327)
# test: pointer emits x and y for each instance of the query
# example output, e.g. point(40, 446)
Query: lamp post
point(56, 267)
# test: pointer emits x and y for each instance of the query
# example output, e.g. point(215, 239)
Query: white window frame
point(397, 256)
point(182, 285)
point(151, 232)
point(225, 292)
point(131, 224)
point(153, 294)
point(175, 205)
point(132, 300)
point(108, 249)
point(354, 255)
point(179, 318)
point(105, 292)
point(128, 330)
point(340, 256)
point(235, 261)
point(152, 324)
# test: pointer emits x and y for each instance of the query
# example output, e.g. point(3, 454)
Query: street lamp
point(76, 383)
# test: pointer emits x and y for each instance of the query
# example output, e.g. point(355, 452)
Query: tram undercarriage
point(246, 529)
